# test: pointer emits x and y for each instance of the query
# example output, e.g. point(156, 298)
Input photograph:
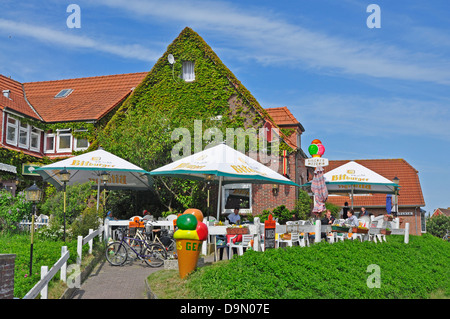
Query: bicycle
point(165, 239)
point(118, 252)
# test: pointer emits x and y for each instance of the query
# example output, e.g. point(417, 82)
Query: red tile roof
point(442, 211)
point(410, 193)
point(91, 99)
point(283, 117)
point(16, 100)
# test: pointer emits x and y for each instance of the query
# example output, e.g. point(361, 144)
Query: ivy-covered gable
point(214, 92)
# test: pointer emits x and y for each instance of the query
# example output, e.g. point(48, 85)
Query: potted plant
point(237, 230)
point(386, 231)
point(360, 229)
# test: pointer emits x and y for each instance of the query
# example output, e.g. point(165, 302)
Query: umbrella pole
point(98, 193)
point(352, 197)
point(218, 196)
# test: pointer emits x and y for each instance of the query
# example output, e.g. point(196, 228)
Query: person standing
point(345, 210)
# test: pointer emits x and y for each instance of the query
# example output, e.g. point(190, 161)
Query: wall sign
point(405, 214)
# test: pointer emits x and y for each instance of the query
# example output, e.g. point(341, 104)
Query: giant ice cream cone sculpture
point(189, 237)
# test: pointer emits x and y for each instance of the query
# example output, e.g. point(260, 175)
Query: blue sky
point(366, 93)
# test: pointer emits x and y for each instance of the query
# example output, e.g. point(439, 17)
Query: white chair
point(239, 245)
point(295, 238)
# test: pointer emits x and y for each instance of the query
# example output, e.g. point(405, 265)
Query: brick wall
point(264, 198)
point(7, 262)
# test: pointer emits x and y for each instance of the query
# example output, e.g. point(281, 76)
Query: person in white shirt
point(235, 218)
point(352, 220)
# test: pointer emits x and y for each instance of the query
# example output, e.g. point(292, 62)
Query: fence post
point(100, 233)
point(90, 241)
point(257, 238)
point(406, 233)
point(79, 249)
point(64, 267)
point(44, 291)
point(317, 230)
point(106, 230)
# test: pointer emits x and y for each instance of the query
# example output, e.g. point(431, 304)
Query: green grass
point(330, 271)
point(45, 253)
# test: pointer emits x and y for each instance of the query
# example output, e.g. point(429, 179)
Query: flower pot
point(385, 232)
point(237, 231)
point(360, 230)
point(339, 228)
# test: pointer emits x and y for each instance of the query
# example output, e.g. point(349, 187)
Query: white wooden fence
point(61, 265)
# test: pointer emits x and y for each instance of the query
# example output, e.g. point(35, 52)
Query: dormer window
point(188, 71)
point(63, 93)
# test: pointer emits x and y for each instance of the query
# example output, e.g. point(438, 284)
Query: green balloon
point(187, 222)
point(313, 149)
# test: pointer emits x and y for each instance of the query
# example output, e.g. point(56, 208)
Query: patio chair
point(295, 238)
point(239, 245)
point(220, 244)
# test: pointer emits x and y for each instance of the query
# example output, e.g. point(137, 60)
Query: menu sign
point(269, 233)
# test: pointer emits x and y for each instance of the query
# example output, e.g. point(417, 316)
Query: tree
point(302, 208)
point(438, 225)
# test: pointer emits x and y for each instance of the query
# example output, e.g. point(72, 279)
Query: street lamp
point(33, 194)
point(64, 176)
point(396, 180)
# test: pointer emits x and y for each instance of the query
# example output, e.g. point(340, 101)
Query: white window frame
point(27, 135)
point(75, 142)
point(16, 129)
point(61, 133)
point(37, 134)
point(45, 142)
point(188, 71)
point(237, 186)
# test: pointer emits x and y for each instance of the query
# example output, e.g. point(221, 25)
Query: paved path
point(116, 282)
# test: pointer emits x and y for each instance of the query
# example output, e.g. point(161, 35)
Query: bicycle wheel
point(116, 253)
point(154, 255)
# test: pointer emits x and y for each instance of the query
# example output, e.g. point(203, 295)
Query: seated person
point(352, 220)
point(327, 220)
point(234, 217)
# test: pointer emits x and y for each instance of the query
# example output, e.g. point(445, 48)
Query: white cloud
point(271, 40)
point(48, 35)
point(375, 116)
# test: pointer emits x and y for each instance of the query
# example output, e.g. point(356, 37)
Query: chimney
point(6, 93)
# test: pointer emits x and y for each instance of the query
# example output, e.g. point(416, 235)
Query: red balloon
point(202, 231)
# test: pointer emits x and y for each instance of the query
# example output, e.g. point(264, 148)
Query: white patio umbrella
point(225, 165)
point(354, 178)
point(89, 166)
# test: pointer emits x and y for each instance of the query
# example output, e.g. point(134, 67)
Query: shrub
point(331, 271)
point(280, 213)
point(13, 210)
point(89, 219)
point(77, 197)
